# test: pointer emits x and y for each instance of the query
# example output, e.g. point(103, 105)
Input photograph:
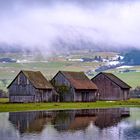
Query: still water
point(93, 124)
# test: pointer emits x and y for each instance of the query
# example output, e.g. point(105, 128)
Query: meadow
point(51, 65)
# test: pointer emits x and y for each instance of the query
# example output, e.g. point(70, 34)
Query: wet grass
point(5, 106)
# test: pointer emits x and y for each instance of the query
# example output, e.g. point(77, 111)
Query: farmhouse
point(111, 87)
point(30, 86)
point(74, 87)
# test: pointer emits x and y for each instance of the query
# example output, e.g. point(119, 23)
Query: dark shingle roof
point(37, 79)
point(79, 80)
point(115, 79)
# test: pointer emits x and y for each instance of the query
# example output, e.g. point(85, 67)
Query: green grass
point(9, 70)
point(14, 107)
point(132, 78)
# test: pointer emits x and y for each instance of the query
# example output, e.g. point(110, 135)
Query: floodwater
point(93, 124)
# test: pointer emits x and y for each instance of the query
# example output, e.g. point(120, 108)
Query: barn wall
point(71, 94)
point(21, 99)
point(63, 87)
point(85, 95)
point(108, 90)
point(43, 95)
point(22, 90)
point(20, 86)
point(126, 94)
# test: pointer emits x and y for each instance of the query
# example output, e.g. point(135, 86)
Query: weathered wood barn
point(74, 87)
point(111, 87)
point(30, 86)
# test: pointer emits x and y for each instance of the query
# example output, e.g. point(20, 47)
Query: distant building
point(30, 86)
point(74, 87)
point(111, 87)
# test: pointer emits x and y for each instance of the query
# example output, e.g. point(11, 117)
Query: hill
point(81, 60)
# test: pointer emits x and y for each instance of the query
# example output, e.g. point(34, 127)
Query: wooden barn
point(111, 87)
point(30, 86)
point(74, 87)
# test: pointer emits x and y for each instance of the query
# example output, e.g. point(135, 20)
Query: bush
point(3, 94)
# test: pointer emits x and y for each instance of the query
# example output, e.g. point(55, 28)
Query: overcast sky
point(41, 23)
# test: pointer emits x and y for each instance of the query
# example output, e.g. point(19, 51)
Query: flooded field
point(93, 124)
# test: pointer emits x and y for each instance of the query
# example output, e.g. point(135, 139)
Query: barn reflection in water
point(70, 120)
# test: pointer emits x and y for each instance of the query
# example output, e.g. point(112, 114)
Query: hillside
point(87, 61)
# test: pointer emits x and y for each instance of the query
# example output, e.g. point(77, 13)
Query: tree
point(132, 57)
point(96, 57)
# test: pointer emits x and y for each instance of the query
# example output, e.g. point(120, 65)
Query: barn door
point(85, 96)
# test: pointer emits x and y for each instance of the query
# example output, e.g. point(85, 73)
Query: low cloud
point(48, 26)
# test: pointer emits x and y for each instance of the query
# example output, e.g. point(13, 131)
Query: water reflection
point(31, 122)
point(72, 120)
point(110, 117)
point(93, 124)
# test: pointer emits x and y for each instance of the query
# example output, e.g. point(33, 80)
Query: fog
point(54, 25)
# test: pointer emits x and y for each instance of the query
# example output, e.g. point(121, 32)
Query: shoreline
point(5, 106)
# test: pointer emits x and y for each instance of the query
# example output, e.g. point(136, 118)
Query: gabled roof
point(79, 80)
point(36, 78)
point(114, 79)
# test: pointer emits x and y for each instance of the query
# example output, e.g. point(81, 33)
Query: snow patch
point(80, 60)
point(124, 67)
point(113, 63)
point(28, 61)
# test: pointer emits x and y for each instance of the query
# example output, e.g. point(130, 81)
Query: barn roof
point(114, 79)
point(79, 80)
point(36, 78)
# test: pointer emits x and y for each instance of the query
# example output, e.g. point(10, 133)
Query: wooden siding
point(69, 93)
point(63, 87)
point(43, 95)
point(108, 90)
point(85, 95)
point(22, 90)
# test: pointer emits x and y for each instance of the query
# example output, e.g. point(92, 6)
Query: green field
point(9, 107)
point(51, 65)
point(132, 78)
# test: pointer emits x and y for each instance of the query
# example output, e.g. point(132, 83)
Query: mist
point(57, 25)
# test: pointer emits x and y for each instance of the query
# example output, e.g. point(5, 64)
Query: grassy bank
point(9, 107)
